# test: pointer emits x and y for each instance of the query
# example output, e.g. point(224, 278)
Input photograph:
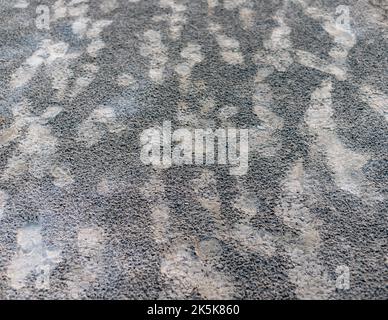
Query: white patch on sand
point(184, 271)
point(278, 47)
point(230, 47)
point(74, 10)
point(227, 112)
point(83, 81)
point(46, 54)
point(95, 46)
point(85, 28)
point(247, 205)
point(38, 145)
point(376, 99)
point(75, 2)
point(94, 34)
point(154, 192)
point(156, 52)
point(341, 31)
point(60, 74)
point(38, 141)
point(246, 14)
point(160, 216)
point(233, 4)
point(311, 61)
point(247, 17)
point(90, 243)
point(54, 58)
point(51, 112)
point(21, 4)
point(62, 176)
point(212, 4)
point(242, 233)
point(21, 119)
point(11, 133)
point(90, 240)
point(188, 273)
point(185, 116)
point(253, 240)
point(3, 202)
point(127, 80)
point(80, 26)
point(59, 10)
point(346, 164)
point(104, 187)
point(338, 26)
point(32, 258)
point(35, 151)
point(83, 25)
point(261, 138)
point(108, 6)
point(176, 19)
point(205, 188)
point(308, 274)
point(192, 55)
point(8, 135)
point(90, 132)
point(263, 102)
point(109, 186)
point(97, 27)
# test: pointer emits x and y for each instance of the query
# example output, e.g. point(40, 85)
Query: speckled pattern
point(82, 217)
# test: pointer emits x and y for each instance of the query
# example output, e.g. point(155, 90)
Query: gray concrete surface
point(81, 217)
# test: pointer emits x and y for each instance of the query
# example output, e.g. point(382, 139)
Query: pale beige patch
point(207, 194)
point(188, 273)
point(46, 54)
point(126, 80)
point(230, 52)
point(90, 241)
point(192, 55)
point(376, 99)
point(32, 257)
point(309, 60)
point(108, 6)
point(156, 52)
point(21, 4)
point(3, 202)
point(346, 164)
point(247, 16)
point(89, 72)
point(154, 192)
point(278, 47)
point(104, 187)
point(308, 274)
point(62, 176)
point(253, 240)
point(34, 151)
point(97, 27)
point(51, 112)
point(176, 19)
point(233, 4)
point(262, 138)
point(160, 216)
point(94, 47)
point(90, 132)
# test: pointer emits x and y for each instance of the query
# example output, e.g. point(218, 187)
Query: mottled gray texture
point(81, 217)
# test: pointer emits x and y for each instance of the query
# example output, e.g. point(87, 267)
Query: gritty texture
point(81, 217)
